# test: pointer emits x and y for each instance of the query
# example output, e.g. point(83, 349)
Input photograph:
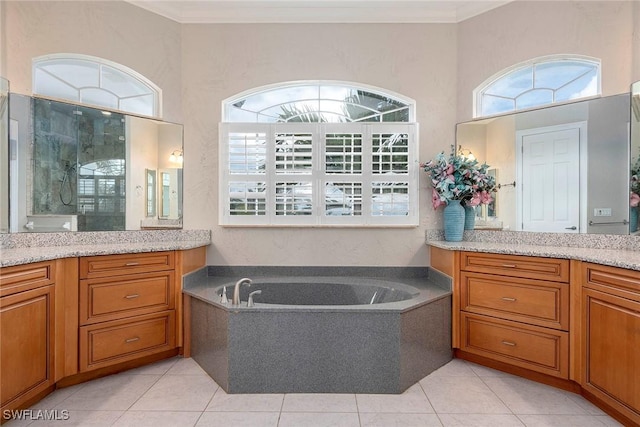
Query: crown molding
point(318, 11)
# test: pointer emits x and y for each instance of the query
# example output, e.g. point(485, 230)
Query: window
point(95, 81)
point(318, 154)
point(538, 82)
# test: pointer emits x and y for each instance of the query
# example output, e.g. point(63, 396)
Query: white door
point(550, 191)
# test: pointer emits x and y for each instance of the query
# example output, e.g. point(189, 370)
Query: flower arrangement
point(461, 178)
point(634, 196)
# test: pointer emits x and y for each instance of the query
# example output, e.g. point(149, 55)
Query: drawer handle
point(132, 296)
point(132, 264)
point(509, 299)
point(509, 265)
point(512, 344)
point(134, 339)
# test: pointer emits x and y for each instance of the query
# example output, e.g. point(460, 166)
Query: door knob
point(571, 228)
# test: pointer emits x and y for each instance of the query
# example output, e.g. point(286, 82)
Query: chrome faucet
point(251, 294)
point(236, 290)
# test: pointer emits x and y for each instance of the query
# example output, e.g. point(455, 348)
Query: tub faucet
point(236, 290)
point(250, 300)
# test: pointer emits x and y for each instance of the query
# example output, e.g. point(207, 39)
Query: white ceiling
point(318, 11)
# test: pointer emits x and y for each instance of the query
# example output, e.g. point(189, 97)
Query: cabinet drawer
point(531, 347)
point(25, 277)
point(108, 299)
point(536, 302)
point(104, 344)
point(113, 265)
point(556, 270)
point(618, 281)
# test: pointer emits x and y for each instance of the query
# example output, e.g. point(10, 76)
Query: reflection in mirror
point(151, 192)
point(4, 155)
point(81, 168)
point(562, 160)
point(634, 198)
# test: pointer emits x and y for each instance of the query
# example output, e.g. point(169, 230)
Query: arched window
point(538, 82)
point(317, 102)
point(95, 81)
point(318, 154)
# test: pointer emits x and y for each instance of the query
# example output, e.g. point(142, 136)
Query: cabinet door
point(26, 348)
point(612, 350)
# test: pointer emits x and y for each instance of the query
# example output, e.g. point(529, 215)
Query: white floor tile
point(157, 368)
point(318, 419)
point(565, 421)
point(186, 366)
point(527, 397)
point(238, 419)
point(399, 420)
point(455, 368)
point(468, 395)
point(483, 371)
point(319, 403)
point(480, 420)
point(177, 393)
point(223, 402)
point(82, 419)
point(157, 419)
point(413, 400)
point(115, 392)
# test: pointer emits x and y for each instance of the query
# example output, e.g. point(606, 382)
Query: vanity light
point(466, 153)
point(176, 156)
point(106, 113)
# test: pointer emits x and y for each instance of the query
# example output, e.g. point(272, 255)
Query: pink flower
point(475, 200)
point(450, 170)
point(486, 197)
point(634, 200)
point(435, 199)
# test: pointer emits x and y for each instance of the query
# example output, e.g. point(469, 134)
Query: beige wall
point(113, 30)
point(219, 61)
point(523, 30)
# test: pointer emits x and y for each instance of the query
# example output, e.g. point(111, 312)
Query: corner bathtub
point(320, 334)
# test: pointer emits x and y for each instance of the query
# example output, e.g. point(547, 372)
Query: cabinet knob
point(132, 296)
point(509, 343)
point(509, 299)
point(509, 265)
point(130, 340)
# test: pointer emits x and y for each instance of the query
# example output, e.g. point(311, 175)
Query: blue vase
point(453, 221)
point(469, 217)
point(633, 219)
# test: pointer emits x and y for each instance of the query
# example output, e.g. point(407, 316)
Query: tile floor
point(177, 392)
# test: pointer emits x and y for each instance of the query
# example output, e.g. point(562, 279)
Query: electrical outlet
point(602, 212)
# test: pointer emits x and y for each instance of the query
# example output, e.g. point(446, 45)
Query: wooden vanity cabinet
point(27, 333)
point(515, 310)
point(611, 337)
point(127, 307)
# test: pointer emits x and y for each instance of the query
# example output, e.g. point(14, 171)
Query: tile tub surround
point(379, 348)
point(613, 250)
point(25, 248)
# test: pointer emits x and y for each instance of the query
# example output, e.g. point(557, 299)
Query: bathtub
point(355, 331)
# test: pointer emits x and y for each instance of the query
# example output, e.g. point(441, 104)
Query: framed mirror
point(560, 166)
point(79, 168)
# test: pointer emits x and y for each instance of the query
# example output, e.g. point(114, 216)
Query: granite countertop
point(49, 246)
point(623, 258)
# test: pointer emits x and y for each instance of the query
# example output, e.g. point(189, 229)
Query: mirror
point(4, 155)
point(151, 191)
point(634, 199)
point(559, 167)
point(78, 168)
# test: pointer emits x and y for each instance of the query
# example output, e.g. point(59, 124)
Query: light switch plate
point(602, 212)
